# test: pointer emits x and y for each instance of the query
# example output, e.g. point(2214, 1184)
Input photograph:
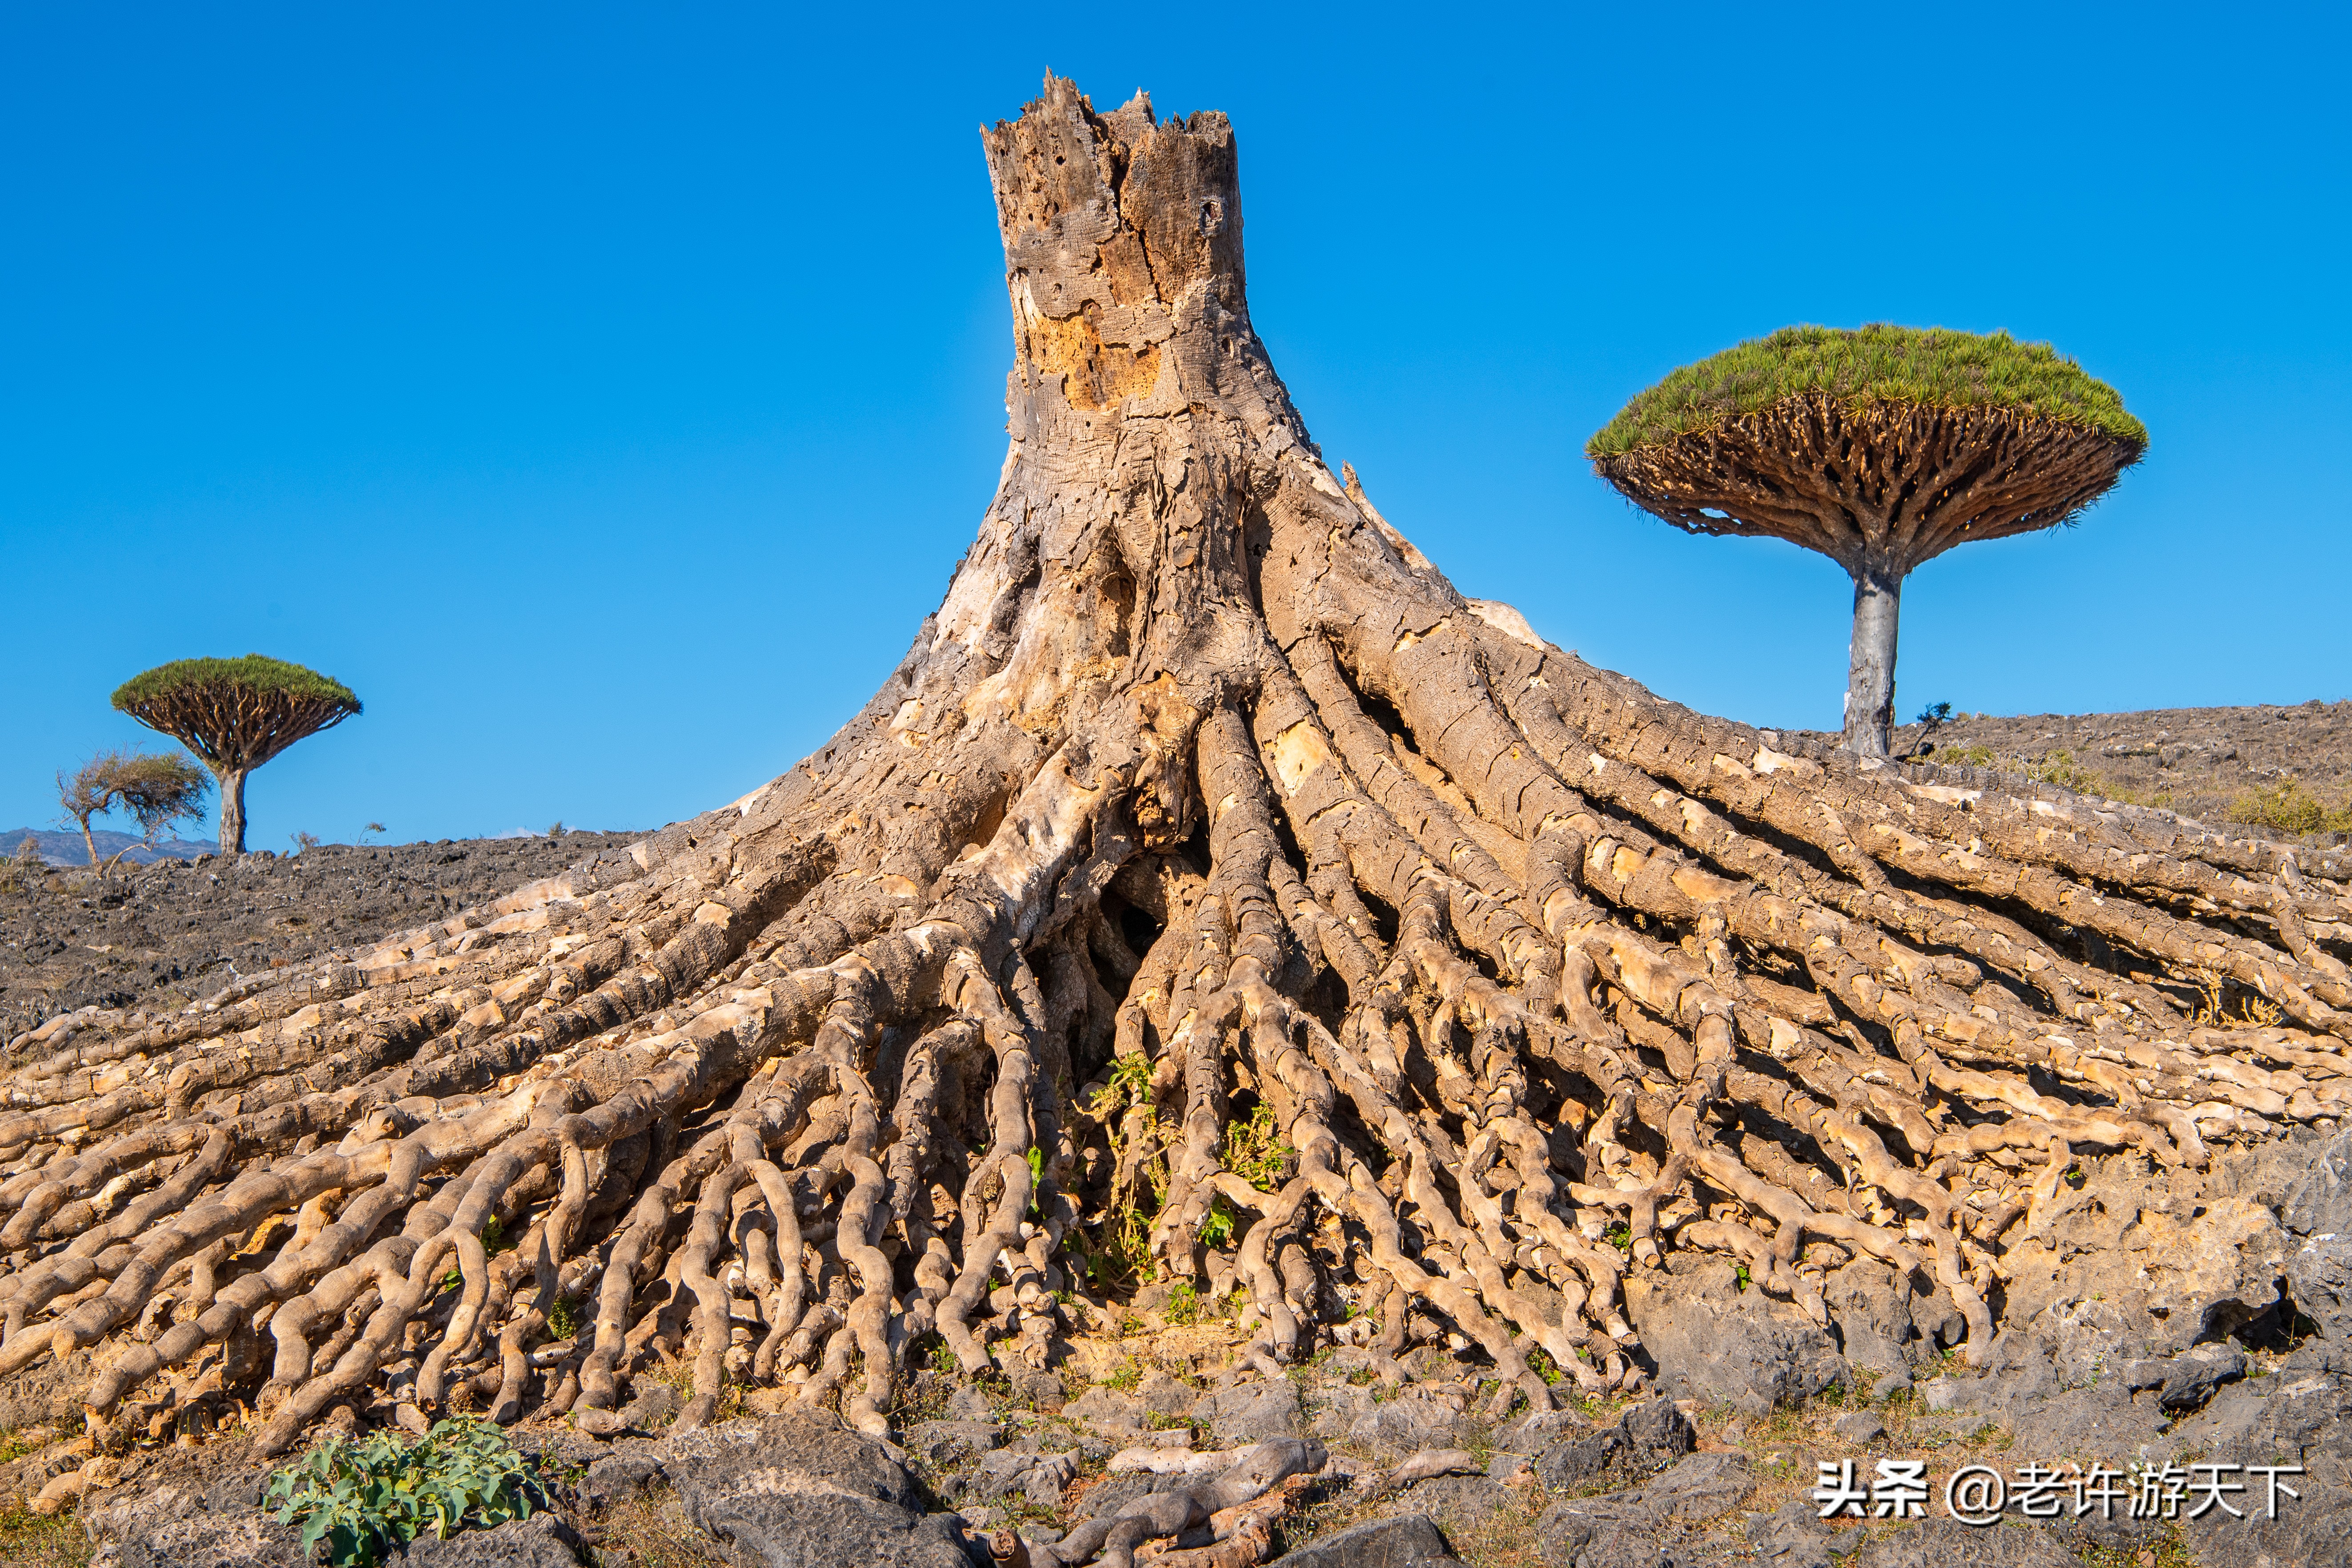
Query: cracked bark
point(1200, 779)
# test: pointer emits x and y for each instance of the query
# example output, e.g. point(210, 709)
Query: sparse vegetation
point(2060, 768)
point(156, 788)
point(24, 870)
point(1255, 1152)
point(367, 1498)
point(27, 1540)
point(2289, 807)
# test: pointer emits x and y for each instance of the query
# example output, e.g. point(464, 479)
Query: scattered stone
point(1537, 1427)
point(542, 1540)
point(1038, 1387)
point(1647, 1438)
point(193, 1507)
point(1164, 1396)
point(1792, 1536)
point(2191, 1379)
point(1251, 1412)
point(1625, 1524)
point(1107, 1411)
point(1511, 1468)
point(1412, 1542)
point(801, 1488)
point(2318, 1214)
point(1948, 1543)
point(1859, 1426)
point(621, 1476)
point(943, 1444)
point(1714, 1341)
point(1407, 1424)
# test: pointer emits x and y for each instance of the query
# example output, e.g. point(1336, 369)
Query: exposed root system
point(1202, 804)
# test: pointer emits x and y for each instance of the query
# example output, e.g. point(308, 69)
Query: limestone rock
point(1407, 1424)
point(939, 1443)
point(542, 1540)
point(1948, 1543)
point(194, 1506)
point(1620, 1527)
point(1410, 1542)
point(2208, 1274)
point(2318, 1215)
point(1712, 1340)
point(1251, 1412)
point(801, 1489)
point(1647, 1438)
point(1859, 1426)
point(2191, 1380)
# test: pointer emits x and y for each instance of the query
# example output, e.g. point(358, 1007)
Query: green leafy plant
point(1217, 1229)
point(1619, 1236)
point(1254, 1150)
point(368, 1498)
point(1740, 1275)
point(562, 1319)
point(1183, 1303)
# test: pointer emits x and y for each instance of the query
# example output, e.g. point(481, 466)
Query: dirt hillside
point(171, 932)
point(2279, 771)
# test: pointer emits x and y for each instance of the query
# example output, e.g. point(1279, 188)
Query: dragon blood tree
point(1879, 449)
point(235, 714)
point(1203, 801)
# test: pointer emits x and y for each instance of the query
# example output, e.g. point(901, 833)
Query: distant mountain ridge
point(63, 845)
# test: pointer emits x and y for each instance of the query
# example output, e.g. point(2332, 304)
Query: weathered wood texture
point(1202, 791)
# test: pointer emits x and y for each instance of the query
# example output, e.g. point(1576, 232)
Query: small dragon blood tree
point(235, 714)
point(1879, 449)
point(1213, 897)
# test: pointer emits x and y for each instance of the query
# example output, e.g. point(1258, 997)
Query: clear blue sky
point(606, 393)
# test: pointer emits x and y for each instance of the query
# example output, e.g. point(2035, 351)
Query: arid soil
point(2219, 765)
point(172, 932)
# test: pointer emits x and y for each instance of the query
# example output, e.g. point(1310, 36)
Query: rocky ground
point(171, 932)
point(2150, 1319)
point(2278, 771)
point(2147, 1318)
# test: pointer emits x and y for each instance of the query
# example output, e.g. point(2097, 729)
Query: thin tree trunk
point(232, 813)
point(1870, 677)
point(88, 843)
